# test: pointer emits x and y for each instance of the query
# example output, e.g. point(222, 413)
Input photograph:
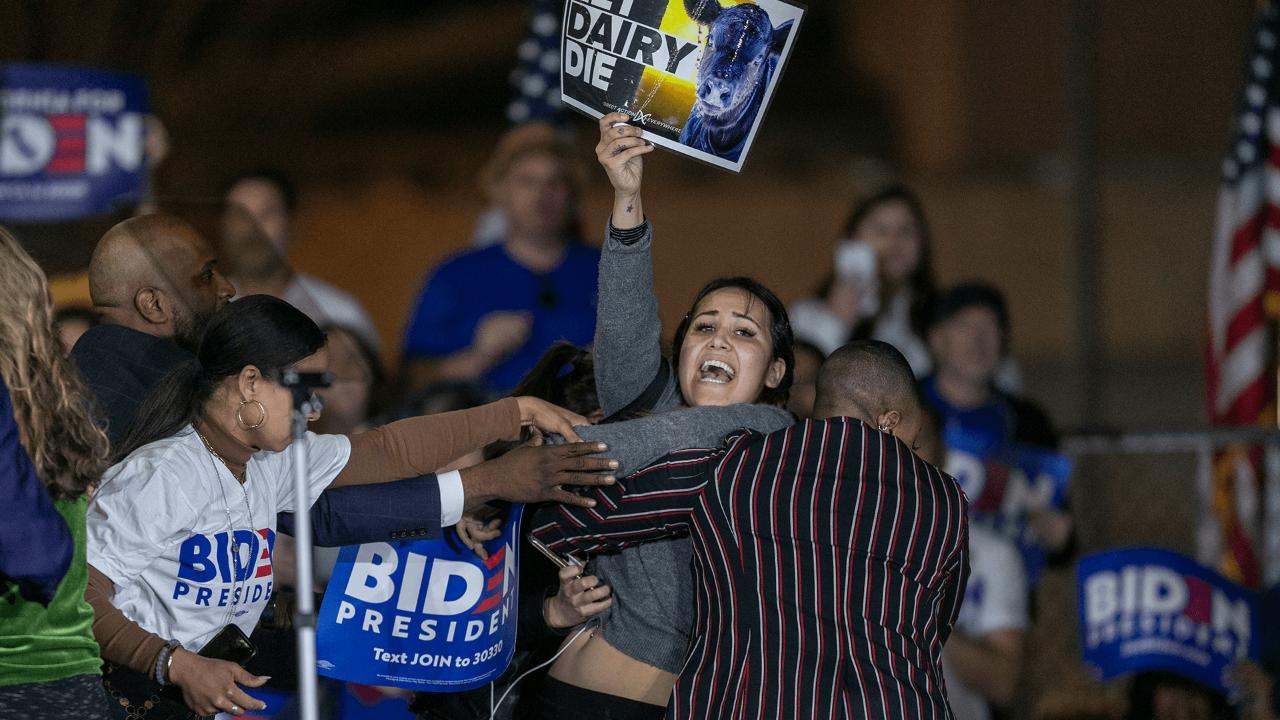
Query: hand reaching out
point(532, 473)
point(550, 418)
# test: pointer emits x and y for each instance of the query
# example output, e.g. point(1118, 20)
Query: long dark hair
point(779, 332)
point(564, 376)
point(257, 330)
point(922, 282)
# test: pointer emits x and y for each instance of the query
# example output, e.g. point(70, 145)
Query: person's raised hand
point(619, 151)
point(578, 600)
point(501, 333)
point(538, 473)
point(550, 418)
point(210, 686)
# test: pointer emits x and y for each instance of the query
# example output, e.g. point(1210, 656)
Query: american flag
point(1244, 300)
point(536, 78)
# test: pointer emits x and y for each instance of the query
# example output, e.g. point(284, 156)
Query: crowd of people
point(770, 517)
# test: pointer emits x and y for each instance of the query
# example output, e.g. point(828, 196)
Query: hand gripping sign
point(1146, 609)
point(71, 141)
point(422, 615)
point(695, 75)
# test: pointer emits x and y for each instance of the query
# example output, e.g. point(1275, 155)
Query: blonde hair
point(50, 404)
point(525, 140)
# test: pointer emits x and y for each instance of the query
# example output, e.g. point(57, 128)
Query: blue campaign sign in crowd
point(422, 615)
point(71, 142)
point(1146, 609)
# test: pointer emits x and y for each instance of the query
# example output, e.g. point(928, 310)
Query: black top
point(120, 366)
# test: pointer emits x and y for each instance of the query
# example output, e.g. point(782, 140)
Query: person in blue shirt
point(35, 543)
point(489, 314)
point(968, 336)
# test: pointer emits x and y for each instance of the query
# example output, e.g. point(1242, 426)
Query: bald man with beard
point(155, 282)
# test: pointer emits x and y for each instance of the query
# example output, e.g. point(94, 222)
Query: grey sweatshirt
point(652, 611)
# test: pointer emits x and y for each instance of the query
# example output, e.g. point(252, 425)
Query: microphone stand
point(305, 402)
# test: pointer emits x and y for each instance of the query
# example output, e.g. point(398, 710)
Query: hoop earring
point(261, 408)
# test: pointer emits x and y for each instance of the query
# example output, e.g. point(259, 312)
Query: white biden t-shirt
point(164, 521)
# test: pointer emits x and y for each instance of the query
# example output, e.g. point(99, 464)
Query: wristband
point(163, 661)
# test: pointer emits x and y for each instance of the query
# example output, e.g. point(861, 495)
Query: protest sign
point(421, 615)
point(695, 75)
point(1004, 487)
point(71, 141)
point(1146, 609)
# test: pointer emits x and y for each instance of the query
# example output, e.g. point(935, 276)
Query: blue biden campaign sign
point(1146, 609)
point(422, 615)
point(71, 141)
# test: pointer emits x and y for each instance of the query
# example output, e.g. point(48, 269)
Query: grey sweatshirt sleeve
point(637, 443)
point(628, 339)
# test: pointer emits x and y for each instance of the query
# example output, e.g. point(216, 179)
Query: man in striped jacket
point(829, 560)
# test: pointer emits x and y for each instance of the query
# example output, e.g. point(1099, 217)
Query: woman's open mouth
point(718, 372)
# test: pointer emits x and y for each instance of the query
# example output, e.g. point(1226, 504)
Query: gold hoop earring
point(261, 409)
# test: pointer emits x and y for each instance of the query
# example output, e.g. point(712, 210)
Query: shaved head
point(156, 274)
point(871, 381)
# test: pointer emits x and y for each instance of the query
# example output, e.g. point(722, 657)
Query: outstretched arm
point(628, 342)
point(420, 445)
point(655, 503)
point(639, 442)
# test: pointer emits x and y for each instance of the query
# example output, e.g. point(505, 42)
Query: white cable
point(493, 709)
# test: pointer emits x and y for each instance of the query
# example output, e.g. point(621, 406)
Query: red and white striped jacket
point(829, 567)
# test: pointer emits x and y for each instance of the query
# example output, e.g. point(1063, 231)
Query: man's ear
point(888, 420)
point(250, 382)
point(153, 305)
point(777, 370)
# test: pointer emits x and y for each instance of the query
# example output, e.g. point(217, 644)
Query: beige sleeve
point(420, 445)
point(123, 641)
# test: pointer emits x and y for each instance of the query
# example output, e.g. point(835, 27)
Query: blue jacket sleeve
point(400, 510)
point(35, 544)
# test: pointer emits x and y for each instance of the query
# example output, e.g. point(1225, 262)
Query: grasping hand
point(550, 418)
point(210, 686)
point(475, 532)
point(619, 152)
point(579, 599)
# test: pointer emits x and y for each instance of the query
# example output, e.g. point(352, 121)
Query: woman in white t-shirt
point(181, 531)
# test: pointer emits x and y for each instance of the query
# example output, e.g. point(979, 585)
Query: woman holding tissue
point(732, 352)
point(181, 530)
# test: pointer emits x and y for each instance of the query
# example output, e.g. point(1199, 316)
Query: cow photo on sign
point(695, 75)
